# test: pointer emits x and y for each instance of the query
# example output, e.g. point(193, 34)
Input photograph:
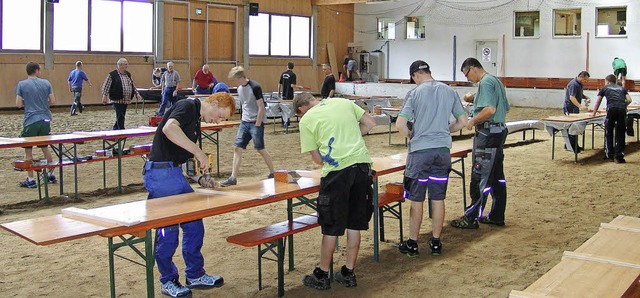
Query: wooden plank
point(634, 289)
point(615, 227)
point(615, 245)
point(331, 51)
point(626, 221)
point(275, 231)
point(584, 278)
point(53, 229)
point(79, 213)
point(523, 294)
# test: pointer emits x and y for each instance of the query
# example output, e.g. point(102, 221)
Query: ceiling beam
point(336, 2)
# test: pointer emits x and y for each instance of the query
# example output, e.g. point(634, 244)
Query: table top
point(171, 210)
point(218, 126)
point(46, 140)
point(583, 116)
point(121, 133)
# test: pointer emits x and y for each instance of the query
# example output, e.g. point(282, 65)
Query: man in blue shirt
point(617, 101)
point(35, 95)
point(573, 104)
point(75, 80)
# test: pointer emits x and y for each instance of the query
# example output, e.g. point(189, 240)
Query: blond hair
point(237, 73)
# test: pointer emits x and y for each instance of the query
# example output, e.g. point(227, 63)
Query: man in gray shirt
point(35, 95)
point(169, 84)
point(252, 125)
point(429, 107)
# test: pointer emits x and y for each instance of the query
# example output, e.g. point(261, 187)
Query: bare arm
point(459, 123)
point(261, 112)
point(52, 99)
point(595, 108)
point(401, 125)
point(366, 123)
point(575, 102)
point(193, 86)
point(485, 114)
point(628, 99)
point(332, 92)
point(19, 101)
point(175, 134)
point(316, 157)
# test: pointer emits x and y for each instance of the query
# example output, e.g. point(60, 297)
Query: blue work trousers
point(166, 181)
point(168, 99)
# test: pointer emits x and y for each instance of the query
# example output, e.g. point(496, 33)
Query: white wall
point(544, 56)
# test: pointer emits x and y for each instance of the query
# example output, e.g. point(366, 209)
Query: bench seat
point(524, 125)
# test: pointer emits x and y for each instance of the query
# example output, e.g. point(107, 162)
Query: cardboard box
point(286, 176)
point(155, 120)
point(395, 188)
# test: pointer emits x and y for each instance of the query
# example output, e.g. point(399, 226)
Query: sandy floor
point(554, 205)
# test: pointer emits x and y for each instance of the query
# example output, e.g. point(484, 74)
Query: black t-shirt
point(328, 85)
point(287, 78)
point(187, 113)
point(616, 96)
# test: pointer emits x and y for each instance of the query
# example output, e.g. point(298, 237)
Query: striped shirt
point(170, 78)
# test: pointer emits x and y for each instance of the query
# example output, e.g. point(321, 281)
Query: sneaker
point(270, 176)
point(464, 223)
point(52, 178)
point(346, 277)
point(408, 249)
point(620, 160)
point(436, 247)
point(319, 283)
point(205, 282)
point(229, 181)
point(28, 183)
point(173, 288)
point(485, 220)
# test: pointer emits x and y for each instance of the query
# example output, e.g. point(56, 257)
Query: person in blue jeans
point(169, 84)
point(173, 144)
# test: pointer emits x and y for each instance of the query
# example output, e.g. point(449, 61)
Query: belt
point(489, 124)
point(163, 164)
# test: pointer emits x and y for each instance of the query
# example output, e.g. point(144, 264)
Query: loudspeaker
point(253, 9)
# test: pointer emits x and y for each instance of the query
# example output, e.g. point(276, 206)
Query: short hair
point(584, 74)
point(121, 61)
point(170, 63)
point(326, 65)
point(224, 100)
point(302, 100)
point(611, 79)
point(471, 62)
point(32, 67)
point(290, 65)
point(237, 73)
point(78, 63)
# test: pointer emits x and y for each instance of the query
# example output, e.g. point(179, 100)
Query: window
point(115, 25)
point(21, 25)
point(386, 29)
point(71, 26)
point(567, 22)
point(279, 35)
point(611, 21)
point(527, 24)
point(415, 27)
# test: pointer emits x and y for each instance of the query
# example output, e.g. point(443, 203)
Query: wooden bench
point(524, 125)
point(273, 237)
point(390, 203)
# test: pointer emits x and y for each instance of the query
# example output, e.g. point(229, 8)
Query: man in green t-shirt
point(487, 175)
point(331, 131)
point(619, 69)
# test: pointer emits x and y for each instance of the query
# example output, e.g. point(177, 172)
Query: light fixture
point(198, 11)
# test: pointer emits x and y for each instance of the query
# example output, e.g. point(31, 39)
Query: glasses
point(466, 74)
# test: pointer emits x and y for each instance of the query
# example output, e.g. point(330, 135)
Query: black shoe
point(346, 277)
point(607, 158)
point(485, 220)
point(318, 280)
point(620, 160)
point(630, 133)
point(464, 223)
point(409, 249)
point(435, 246)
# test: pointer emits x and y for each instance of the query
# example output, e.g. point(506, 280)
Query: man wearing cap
point(428, 106)
point(75, 80)
point(487, 175)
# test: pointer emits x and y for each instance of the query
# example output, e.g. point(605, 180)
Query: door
point(487, 53)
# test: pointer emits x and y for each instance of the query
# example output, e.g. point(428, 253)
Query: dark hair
point(78, 63)
point(471, 62)
point(290, 65)
point(611, 79)
point(32, 67)
point(584, 74)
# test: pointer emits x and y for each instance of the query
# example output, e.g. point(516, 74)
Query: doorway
point(487, 53)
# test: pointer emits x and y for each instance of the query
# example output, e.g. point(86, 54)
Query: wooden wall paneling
point(336, 28)
point(176, 31)
point(221, 71)
point(197, 45)
point(293, 7)
point(221, 41)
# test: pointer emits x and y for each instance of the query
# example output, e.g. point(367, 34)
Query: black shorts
point(619, 71)
point(345, 200)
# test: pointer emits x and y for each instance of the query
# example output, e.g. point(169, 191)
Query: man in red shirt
point(203, 81)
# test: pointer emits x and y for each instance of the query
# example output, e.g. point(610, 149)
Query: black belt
point(163, 164)
point(489, 124)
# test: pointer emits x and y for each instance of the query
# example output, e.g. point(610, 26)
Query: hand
point(175, 92)
point(203, 160)
point(470, 125)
